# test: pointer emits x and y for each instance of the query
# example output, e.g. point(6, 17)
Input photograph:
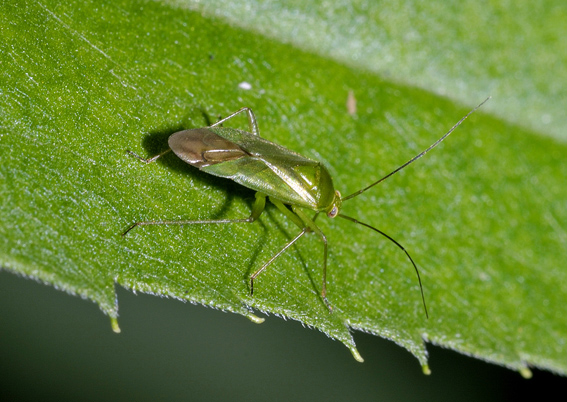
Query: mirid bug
point(291, 181)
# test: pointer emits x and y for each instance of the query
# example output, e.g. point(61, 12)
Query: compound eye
point(333, 212)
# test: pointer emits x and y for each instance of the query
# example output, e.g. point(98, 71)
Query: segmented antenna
point(390, 174)
point(417, 156)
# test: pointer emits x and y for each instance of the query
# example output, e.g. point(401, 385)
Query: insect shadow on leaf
point(291, 181)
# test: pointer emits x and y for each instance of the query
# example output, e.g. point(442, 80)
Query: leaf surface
point(484, 215)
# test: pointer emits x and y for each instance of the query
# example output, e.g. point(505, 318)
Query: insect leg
point(313, 227)
point(288, 245)
point(257, 209)
point(306, 224)
point(251, 120)
point(149, 160)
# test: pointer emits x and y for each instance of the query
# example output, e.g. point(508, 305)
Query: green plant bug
point(291, 181)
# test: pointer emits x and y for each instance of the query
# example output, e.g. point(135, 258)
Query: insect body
point(291, 181)
point(258, 164)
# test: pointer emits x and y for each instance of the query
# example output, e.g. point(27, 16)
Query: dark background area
point(58, 347)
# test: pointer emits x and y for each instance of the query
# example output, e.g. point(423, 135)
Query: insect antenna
point(417, 156)
point(348, 218)
point(396, 171)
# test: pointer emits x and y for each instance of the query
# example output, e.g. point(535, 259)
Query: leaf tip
point(255, 319)
point(356, 355)
point(426, 370)
point(114, 324)
point(526, 373)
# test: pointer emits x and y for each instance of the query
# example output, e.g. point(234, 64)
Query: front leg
point(251, 120)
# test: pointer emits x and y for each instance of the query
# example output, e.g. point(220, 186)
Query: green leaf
point(484, 215)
